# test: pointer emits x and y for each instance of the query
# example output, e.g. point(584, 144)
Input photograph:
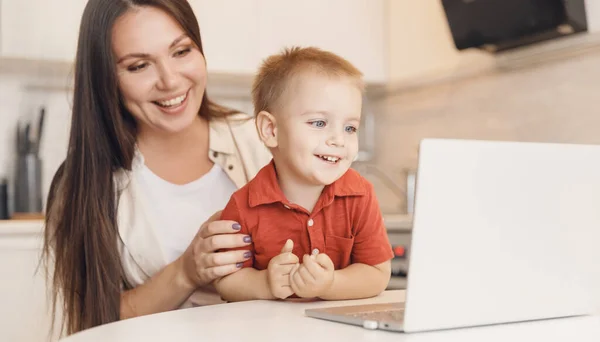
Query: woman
point(150, 158)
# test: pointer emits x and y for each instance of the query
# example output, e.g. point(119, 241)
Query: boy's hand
point(314, 277)
point(279, 269)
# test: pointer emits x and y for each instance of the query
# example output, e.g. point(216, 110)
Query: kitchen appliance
point(399, 229)
point(498, 25)
point(4, 199)
point(28, 173)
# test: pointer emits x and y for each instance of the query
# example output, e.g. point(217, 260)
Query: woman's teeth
point(329, 158)
point(172, 102)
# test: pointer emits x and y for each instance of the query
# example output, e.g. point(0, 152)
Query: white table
point(265, 321)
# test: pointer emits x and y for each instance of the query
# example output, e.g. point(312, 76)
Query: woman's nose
point(167, 78)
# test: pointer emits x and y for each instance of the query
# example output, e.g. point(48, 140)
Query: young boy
point(316, 227)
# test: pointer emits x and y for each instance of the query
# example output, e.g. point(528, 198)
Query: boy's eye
point(138, 67)
point(351, 129)
point(318, 123)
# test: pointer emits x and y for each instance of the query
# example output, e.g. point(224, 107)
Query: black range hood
point(498, 25)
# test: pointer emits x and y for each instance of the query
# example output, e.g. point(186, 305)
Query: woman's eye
point(317, 123)
point(138, 67)
point(351, 129)
point(183, 52)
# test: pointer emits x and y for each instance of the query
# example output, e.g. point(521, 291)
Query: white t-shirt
point(179, 210)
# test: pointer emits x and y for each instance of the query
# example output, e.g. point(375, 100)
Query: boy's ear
point(266, 125)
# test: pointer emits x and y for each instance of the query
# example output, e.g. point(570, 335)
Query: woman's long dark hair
point(80, 242)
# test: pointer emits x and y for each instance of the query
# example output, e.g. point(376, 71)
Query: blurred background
point(489, 69)
point(522, 70)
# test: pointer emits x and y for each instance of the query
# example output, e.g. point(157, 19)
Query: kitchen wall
point(554, 102)
point(426, 51)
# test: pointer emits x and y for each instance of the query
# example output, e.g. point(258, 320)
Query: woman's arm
point(165, 291)
point(199, 265)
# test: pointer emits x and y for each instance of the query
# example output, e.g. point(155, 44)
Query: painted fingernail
point(239, 264)
point(236, 226)
point(247, 255)
point(247, 239)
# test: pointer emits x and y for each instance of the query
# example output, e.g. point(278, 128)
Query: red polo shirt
point(346, 222)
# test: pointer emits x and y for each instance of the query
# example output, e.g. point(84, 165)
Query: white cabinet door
point(18, 34)
point(40, 29)
point(236, 34)
point(24, 310)
point(229, 30)
point(354, 29)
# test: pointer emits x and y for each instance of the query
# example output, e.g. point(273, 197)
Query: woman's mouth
point(173, 102)
point(328, 159)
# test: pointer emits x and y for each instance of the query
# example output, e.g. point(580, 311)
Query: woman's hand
point(201, 263)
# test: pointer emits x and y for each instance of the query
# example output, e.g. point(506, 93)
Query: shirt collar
point(265, 189)
point(220, 137)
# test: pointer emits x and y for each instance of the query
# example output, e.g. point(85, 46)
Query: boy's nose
point(336, 139)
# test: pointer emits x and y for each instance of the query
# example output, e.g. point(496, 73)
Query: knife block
point(28, 184)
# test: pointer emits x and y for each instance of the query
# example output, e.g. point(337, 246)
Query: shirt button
point(230, 167)
point(315, 251)
point(311, 222)
point(215, 154)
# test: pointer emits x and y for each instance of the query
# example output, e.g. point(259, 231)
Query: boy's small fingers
point(288, 246)
point(297, 278)
point(288, 258)
point(285, 259)
point(287, 269)
point(311, 265)
point(293, 285)
point(323, 260)
point(306, 275)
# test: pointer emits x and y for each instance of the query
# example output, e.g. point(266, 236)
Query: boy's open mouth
point(328, 159)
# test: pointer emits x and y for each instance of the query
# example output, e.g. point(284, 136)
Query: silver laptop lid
point(502, 232)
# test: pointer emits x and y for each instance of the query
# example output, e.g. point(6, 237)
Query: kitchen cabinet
point(48, 30)
point(24, 311)
point(237, 34)
point(40, 29)
point(354, 29)
point(229, 30)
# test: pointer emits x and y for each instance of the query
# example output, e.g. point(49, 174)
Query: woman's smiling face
point(161, 72)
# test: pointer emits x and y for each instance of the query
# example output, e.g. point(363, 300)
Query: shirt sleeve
point(231, 212)
point(371, 242)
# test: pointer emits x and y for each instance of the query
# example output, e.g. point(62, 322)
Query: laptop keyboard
point(387, 315)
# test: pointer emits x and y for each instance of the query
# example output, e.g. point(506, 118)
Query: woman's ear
point(266, 125)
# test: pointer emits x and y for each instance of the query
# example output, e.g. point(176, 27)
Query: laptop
point(502, 232)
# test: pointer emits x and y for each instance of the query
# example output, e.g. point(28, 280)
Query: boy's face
point(317, 125)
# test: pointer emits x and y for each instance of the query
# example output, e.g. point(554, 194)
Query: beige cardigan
point(235, 146)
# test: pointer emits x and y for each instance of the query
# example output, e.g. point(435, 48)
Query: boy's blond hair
point(278, 70)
